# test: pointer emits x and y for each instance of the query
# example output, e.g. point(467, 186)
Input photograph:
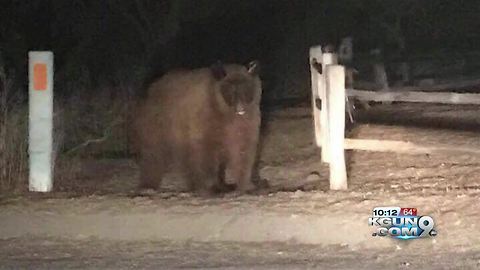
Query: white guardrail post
point(316, 57)
point(328, 59)
point(335, 81)
point(40, 121)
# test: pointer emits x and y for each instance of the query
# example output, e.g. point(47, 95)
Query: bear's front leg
point(241, 165)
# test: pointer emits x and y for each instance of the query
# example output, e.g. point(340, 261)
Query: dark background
point(106, 49)
point(100, 43)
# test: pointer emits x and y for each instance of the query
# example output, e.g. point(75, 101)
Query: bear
point(205, 120)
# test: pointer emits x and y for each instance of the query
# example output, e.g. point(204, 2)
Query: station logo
point(401, 223)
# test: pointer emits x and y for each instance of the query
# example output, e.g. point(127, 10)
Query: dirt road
point(94, 254)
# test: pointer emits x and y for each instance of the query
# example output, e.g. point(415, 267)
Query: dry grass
point(13, 138)
point(96, 124)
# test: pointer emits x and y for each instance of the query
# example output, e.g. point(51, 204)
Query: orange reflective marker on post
point(40, 77)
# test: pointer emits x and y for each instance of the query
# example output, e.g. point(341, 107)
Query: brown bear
point(205, 120)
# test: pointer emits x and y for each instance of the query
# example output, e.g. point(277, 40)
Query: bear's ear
point(218, 71)
point(253, 67)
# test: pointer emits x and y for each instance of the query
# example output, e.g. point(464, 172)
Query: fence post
point(316, 57)
point(379, 72)
point(328, 59)
point(335, 81)
point(40, 120)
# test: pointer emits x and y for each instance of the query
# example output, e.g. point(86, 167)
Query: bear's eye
point(246, 93)
point(228, 93)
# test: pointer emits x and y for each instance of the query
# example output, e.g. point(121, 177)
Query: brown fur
point(188, 118)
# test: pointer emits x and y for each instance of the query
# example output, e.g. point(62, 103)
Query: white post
point(315, 55)
point(335, 75)
point(328, 59)
point(40, 120)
